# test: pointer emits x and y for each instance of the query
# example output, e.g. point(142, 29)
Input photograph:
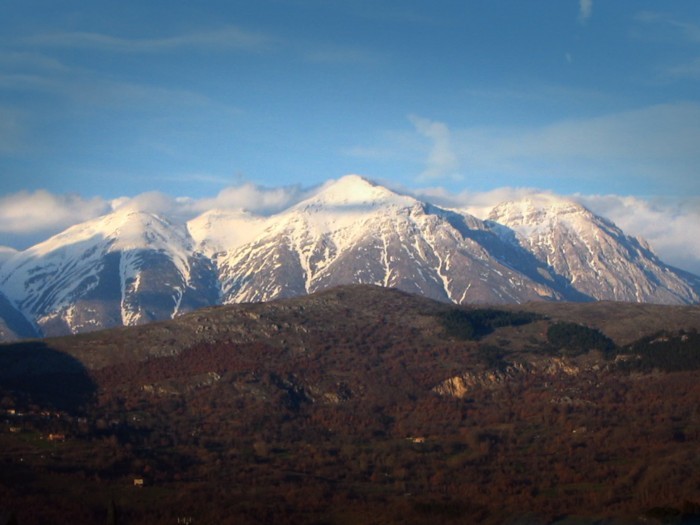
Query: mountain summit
point(590, 252)
point(131, 267)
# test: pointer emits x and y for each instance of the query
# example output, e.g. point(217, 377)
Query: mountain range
point(131, 267)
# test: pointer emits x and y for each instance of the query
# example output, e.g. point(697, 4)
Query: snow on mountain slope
point(353, 231)
point(6, 253)
point(593, 254)
point(130, 266)
point(127, 267)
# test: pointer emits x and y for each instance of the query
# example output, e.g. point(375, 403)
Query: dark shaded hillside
point(366, 405)
point(48, 377)
point(287, 322)
point(623, 322)
point(13, 325)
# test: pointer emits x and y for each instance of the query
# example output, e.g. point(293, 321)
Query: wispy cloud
point(88, 88)
point(687, 70)
point(656, 146)
point(667, 25)
point(26, 60)
point(442, 161)
point(225, 38)
point(325, 54)
point(585, 10)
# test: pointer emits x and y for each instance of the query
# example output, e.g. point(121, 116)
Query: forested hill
point(360, 405)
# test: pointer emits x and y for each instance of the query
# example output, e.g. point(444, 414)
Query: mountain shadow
point(47, 376)
point(13, 325)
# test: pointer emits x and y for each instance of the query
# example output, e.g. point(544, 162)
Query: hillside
point(360, 404)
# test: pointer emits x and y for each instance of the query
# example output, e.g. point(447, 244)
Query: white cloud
point(255, 199)
point(477, 203)
point(30, 217)
point(259, 200)
point(152, 202)
point(43, 212)
point(585, 9)
point(442, 161)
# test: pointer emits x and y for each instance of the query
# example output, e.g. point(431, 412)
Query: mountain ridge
point(130, 267)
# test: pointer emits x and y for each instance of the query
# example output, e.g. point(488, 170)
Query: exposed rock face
point(591, 253)
point(460, 386)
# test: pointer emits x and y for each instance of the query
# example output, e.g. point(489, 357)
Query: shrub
point(574, 339)
point(665, 351)
point(471, 325)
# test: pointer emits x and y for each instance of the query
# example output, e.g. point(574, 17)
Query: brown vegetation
point(325, 409)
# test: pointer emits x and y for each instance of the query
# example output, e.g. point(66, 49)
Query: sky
point(254, 103)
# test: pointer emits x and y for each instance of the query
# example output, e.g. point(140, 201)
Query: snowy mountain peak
point(122, 230)
point(589, 251)
point(356, 191)
point(536, 209)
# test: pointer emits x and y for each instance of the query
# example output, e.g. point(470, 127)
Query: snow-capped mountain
point(131, 266)
point(128, 267)
point(590, 252)
point(6, 253)
point(354, 231)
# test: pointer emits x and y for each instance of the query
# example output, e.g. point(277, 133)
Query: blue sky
point(101, 100)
